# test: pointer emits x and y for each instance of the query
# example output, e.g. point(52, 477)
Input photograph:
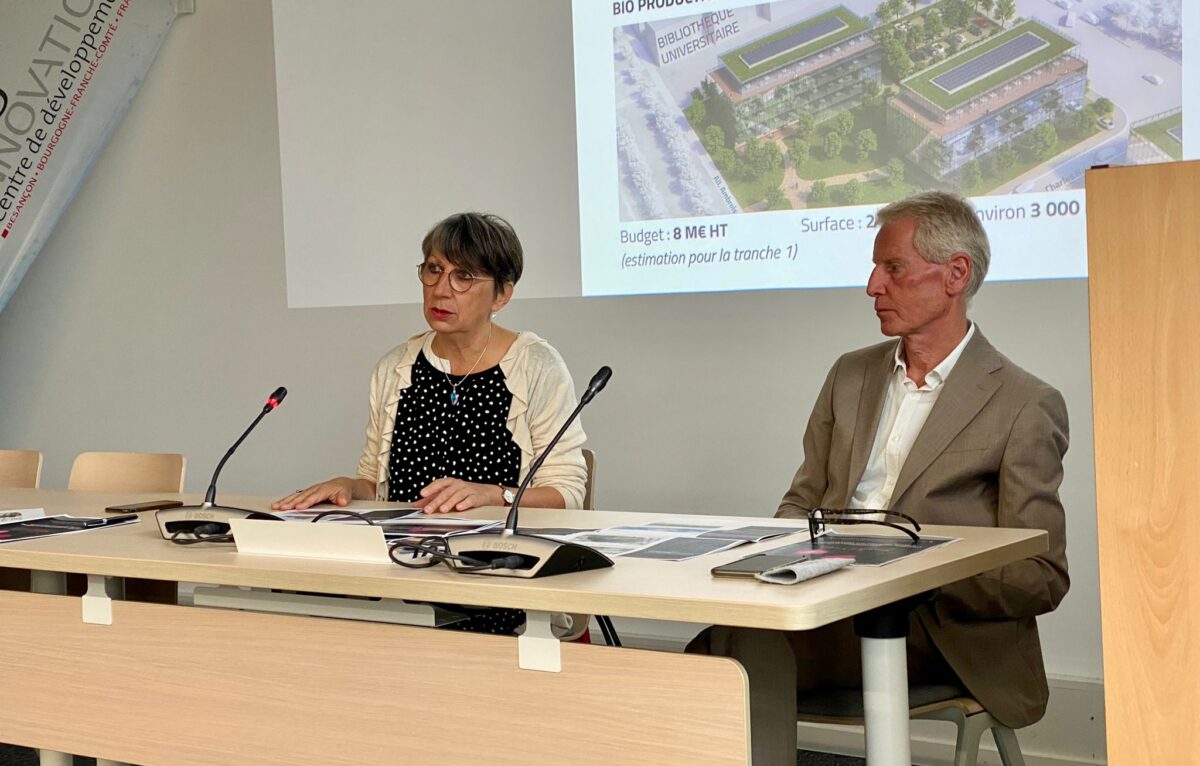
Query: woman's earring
point(493, 316)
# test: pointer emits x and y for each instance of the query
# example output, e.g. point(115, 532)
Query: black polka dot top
point(441, 431)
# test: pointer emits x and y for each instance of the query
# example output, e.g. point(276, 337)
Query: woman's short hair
point(946, 224)
point(481, 243)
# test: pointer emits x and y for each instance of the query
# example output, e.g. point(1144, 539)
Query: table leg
point(885, 701)
point(883, 633)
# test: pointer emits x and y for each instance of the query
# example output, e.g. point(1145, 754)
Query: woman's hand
point(447, 495)
point(339, 491)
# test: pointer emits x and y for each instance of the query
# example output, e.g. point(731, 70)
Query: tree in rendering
point(777, 200)
point(819, 194)
point(804, 125)
point(1005, 10)
point(934, 27)
point(895, 171)
point(799, 151)
point(1043, 141)
point(713, 138)
point(843, 123)
point(865, 143)
point(696, 111)
point(833, 145)
point(852, 191)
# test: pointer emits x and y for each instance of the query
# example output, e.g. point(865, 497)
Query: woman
point(457, 414)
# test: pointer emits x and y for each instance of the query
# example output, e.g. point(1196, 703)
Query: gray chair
point(926, 702)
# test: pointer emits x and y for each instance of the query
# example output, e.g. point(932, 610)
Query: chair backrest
point(589, 489)
point(20, 468)
point(128, 472)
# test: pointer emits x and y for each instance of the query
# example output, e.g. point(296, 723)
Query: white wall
point(156, 318)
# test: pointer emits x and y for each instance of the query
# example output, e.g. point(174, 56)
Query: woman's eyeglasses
point(460, 281)
point(819, 517)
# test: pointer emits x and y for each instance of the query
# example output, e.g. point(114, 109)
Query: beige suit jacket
point(990, 454)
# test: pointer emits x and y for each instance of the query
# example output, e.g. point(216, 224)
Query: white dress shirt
point(906, 407)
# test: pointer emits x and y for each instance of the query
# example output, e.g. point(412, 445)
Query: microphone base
point(183, 522)
point(540, 556)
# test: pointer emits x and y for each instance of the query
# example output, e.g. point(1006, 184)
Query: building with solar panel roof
point(987, 96)
point(819, 66)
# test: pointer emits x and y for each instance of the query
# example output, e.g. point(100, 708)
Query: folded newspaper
point(800, 571)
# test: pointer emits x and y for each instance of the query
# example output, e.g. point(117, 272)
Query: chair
point(20, 468)
point(580, 622)
point(589, 489)
point(926, 702)
point(129, 472)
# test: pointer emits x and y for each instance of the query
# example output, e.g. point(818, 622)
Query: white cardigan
point(543, 397)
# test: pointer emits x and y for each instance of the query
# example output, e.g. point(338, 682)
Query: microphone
point(209, 519)
point(509, 553)
point(273, 401)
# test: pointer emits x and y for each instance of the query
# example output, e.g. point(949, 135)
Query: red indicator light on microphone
point(276, 397)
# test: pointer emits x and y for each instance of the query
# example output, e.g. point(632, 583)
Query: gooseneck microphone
point(273, 401)
point(595, 386)
point(191, 523)
point(530, 555)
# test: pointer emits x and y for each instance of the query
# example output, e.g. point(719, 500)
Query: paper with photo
point(754, 533)
point(683, 548)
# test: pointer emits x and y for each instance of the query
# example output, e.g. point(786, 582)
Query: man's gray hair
point(946, 224)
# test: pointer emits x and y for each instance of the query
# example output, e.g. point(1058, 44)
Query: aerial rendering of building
point(986, 96)
point(819, 66)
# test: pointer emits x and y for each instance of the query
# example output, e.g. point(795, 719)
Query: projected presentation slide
point(734, 146)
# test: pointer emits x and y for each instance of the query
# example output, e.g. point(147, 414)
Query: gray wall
point(155, 318)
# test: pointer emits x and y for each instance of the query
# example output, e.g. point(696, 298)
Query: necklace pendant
point(454, 397)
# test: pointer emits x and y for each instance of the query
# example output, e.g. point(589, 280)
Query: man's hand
point(448, 495)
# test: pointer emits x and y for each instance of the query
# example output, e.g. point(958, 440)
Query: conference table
point(177, 684)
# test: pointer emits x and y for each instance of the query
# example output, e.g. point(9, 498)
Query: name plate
point(338, 542)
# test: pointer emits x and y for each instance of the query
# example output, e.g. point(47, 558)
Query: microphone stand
point(195, 522)
point(530, 555)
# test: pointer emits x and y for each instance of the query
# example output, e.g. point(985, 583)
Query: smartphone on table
point(149, 505)
point(759, 562)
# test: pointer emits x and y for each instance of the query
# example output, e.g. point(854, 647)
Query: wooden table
point(182, 685)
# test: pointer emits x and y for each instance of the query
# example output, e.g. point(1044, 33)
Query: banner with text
point(68, 71)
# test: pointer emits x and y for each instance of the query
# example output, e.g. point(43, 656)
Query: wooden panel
point(1144, 281)
point(683, 591)
point(180, 686)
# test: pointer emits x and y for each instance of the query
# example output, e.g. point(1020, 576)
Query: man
point(942, 427)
